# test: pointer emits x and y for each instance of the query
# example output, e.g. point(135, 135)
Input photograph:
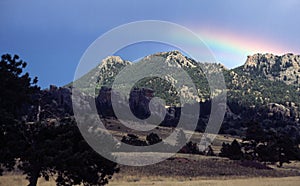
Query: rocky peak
point(255, 60)
point(111, 61)
point(284, 68)
point(176, 56)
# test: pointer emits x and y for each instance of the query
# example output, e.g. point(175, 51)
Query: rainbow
point(228, 47)
point(232, 49)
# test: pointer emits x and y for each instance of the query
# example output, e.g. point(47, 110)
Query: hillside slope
point(264, 89)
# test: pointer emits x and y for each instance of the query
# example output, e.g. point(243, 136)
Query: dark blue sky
point(52, 35)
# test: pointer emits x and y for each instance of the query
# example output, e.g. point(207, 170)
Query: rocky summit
point(285, 68)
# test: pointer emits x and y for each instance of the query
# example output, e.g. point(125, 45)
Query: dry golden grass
point(287, 181)
point(195, 170)
point(191, 166)
point(19, 180)
point(191, 170)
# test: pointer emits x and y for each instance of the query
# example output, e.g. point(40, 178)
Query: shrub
point(232, 151)
point(153, 138)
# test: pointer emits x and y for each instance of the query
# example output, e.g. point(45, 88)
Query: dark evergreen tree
point(153, 138)
point(232, 151)
point(255, 132)
point(236, 150)
point(224, 150)
point(269, 146)
point(287, 149)
point(210, 151)
point(43, 150)
point(16, 91)
point(133, 140)
point(77, 163)
point(190, 148)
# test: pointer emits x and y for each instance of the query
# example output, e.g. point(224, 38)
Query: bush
point(134, 140)
point(190, 148)
point(232, 151)
point(153, 138)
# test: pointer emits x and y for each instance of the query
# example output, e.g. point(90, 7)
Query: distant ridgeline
point(265, 89)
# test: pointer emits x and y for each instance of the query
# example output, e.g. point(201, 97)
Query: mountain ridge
point(251, 78)
point(251, 96)
point(253, 87)
point(249, 62)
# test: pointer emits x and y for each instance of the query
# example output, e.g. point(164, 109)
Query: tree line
point(263, 145)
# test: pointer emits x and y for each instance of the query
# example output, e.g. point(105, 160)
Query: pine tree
point(232, 151)
point(153, 138)
point(43, 150)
